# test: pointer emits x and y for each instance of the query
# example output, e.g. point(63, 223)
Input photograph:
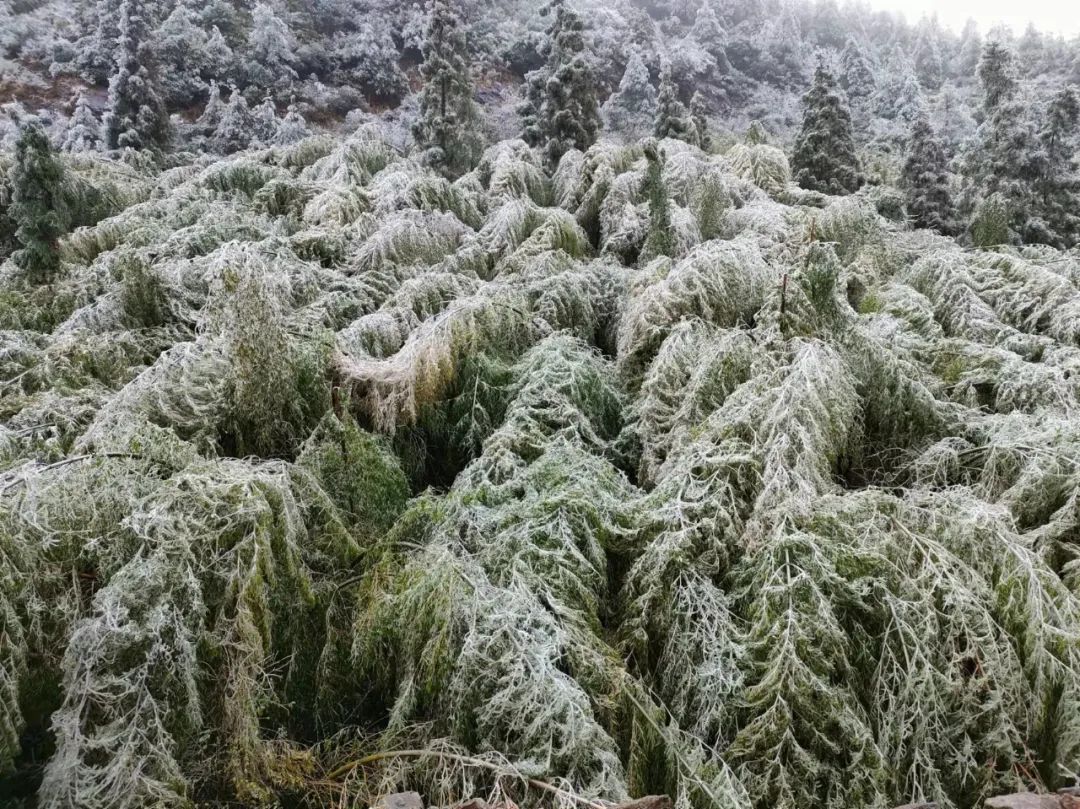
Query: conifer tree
point(997, 74)
point(1058, 189)
point(927, 55)
point(560, 110)
point(213, 110)
point(38, 206)
point(856, 75)
point(293, 128)
point(236, 128)
point(824, 158)
point(629, 111)
point(672, 117)
point(969, 50)
point(700, 120)
point(136, 115)
point(659, 242)
point(83, 130)
point(447, 128)
point(925, 180)
point(709, 33)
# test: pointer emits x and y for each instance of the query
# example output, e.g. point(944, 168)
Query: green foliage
point(38, 204)
point(824, 155)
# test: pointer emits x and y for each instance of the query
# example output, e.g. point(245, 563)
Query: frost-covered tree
point(447, 129)
point(213, 109)
point(136, 116)
point(560, 110)
point(1058, 189)
point(271, 52)
point(672, 118)
point(925, 181)
point(629, 112)
point(997, 75)
point(856, 74)
point(181, 49)
point(824, 156)
point(699, 117)
point(236, 129)
point(39, 206)
point(929, 65)
point(83, 133)
point(293, 127)
point(660, 240)
point(968, 51)
point(265, 121)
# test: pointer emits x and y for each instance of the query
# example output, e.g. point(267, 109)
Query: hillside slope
point(312, 453)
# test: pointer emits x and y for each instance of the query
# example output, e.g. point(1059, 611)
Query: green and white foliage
point(721, 487)
point(630, 111)
point(560, 111)
point(83, 133)
point(136, 116)
point(271, 52)
point(926, 181)
point(39, 204)
point(448, 124)
point(672, 118)
point(824, 156)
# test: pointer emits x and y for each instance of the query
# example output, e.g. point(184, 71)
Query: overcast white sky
point(1052, 16)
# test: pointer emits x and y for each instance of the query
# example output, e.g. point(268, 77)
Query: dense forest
point(544, 405)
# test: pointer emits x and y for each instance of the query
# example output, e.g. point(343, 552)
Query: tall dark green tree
point(136, 116)
point(925, 180)
point(659, 242)
point(856, 75)
point(824, 158)
point(560, 111)
point(448, 125)
point(38, 203)
point(997, 74)
point(672, 117)
point(1058, 189)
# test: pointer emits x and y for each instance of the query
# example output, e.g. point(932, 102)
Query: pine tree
point(700, 119)
point(709, 33)
point(925, 180)
point(447, 128)
point(824, 158)
point(927, 55)
point(271, 51)
point(38, 205)
point(1058, 188)
point(672, 117)
point(659, 242)
point(293, 128)
point(83, 130)
point(856, 75)
point(236, 128)
point(997, 74)
point(136, 116)
point(560, 110)
point(629, 111)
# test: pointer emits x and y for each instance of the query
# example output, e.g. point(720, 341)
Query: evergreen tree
point(925, 180)
point(271, 51)
point(560, 110)
point(997, 74)
point(856, 75)
point(83, 130)
point(293, 128)
point(824, 158)
point(38, 206)
point(929, 66)
point(214, 109)
point(659, 241)
point(236, 128)
point(447, 127)
point(629, 111)
point(709, 34)
point(180, 46)
point(265, 121)
point(700, 120)
point(1058, 189)
point(969, 51)
point(136, 115)
point(672, 117)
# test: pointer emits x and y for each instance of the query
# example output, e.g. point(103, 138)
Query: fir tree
point(136, 115)
point(38, 205)
point(927, 55)
point(447, 127)
point(672, 117)
point(271, 50)
point(856, 75)
point(1058, 189)
point(824, 157)
point(997, 74)
point(83, 130)
point(560, 110)
point(700, 120)
point(925, 180)
point(293, 128)
point(629, 111)
point(659, 242)
point(236, 128)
